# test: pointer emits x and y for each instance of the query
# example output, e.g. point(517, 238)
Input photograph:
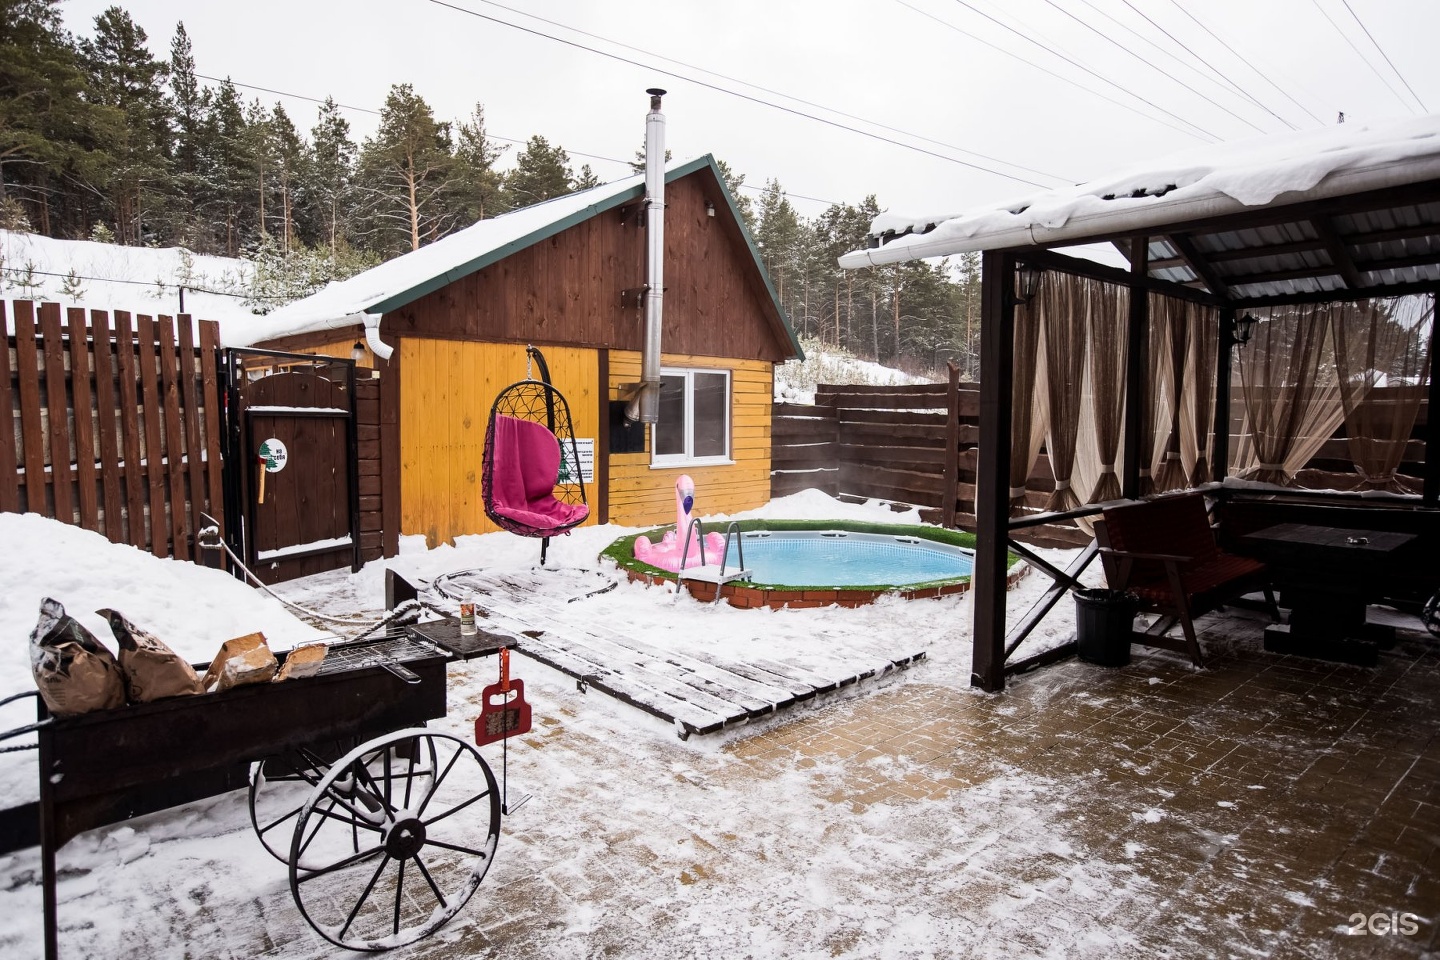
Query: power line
point(1035, 66)
point(1219, 78)
point(578, 153)
point(742, 96)
point(1245, 60)
point(1070, 60)
point(1386, 56)
point(1093, 29)
point(777, 93)
point(1373, 69)
point(25, 271)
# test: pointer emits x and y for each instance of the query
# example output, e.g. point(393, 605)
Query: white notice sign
point(585, 446)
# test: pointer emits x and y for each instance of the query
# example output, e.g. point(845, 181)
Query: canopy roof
point(1350, 207)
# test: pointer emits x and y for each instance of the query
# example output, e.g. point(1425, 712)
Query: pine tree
point(190, 103)
point(777, 235)
point(288, 157)
point(127, 78)
point(480, 191)
point(586, 178)
point(48, 122)
point(541, 172)
point(330, 180)
point(226, 162)
point(734, 182)
point(407, 175)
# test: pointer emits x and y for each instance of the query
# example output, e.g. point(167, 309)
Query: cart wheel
point(379, 857)
point(280, 785)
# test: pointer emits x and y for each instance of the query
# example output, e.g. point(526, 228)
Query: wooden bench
point(1164, 551)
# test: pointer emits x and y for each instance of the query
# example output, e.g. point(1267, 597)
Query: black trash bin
point(1103, 622)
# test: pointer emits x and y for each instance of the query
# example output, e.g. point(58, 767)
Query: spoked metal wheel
point(281, 784)
point(394, 839)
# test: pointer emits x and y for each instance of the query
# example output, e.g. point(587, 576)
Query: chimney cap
point(655, 92)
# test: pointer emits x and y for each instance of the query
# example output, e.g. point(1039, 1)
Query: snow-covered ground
point(107, 276)
point(168, 884)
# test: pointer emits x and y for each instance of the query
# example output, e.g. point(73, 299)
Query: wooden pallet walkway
point(698, 691)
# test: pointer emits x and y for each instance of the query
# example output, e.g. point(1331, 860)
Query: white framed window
point(694, 426)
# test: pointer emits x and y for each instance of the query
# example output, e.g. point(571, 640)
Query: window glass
point(670, 431)
point(712, 431)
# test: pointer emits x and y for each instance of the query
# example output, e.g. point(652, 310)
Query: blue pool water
point(840, 559)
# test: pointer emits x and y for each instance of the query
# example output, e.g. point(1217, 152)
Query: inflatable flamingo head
point(684, 495)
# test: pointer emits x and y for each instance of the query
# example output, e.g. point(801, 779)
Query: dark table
point(1326, 575)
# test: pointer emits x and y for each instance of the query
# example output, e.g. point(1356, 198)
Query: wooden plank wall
point(889, 443)
point(447, 389)
point(642, 495)
point(114, 423)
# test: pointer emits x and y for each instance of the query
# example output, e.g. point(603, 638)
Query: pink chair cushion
point(525, 468)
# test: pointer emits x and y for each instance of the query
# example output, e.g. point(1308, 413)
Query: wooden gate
point(294, 438)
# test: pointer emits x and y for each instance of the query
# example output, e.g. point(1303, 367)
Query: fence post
point(952, 444)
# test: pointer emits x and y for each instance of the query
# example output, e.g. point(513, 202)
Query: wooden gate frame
point(239, 505)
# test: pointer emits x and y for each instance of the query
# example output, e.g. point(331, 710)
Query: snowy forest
point(101, 140)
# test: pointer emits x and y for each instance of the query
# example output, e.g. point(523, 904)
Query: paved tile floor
point(1265, 806)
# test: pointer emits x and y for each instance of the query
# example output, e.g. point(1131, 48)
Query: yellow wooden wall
point(446, 390)
point(641, 495)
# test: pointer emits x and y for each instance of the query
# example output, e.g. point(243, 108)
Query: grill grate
point(374, 653)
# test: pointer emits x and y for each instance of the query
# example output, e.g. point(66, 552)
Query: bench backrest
point(1178, 525)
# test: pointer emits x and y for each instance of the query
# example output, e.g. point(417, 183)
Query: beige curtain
point(1062, 305)
point(1200, 388)
point(1170, 324)
point(1289, 392)
point(1381, 362)
point(1107, 321)
point(1027, 423)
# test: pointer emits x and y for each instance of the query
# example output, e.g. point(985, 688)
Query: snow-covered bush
point(795, 380)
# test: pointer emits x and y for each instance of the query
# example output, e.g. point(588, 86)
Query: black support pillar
point(1431, 492)
point(1220, 449)
point(1137, 337)
point(992, 470)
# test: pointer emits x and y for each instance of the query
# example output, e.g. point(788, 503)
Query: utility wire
point(1075, 63)
point(1246, 61)
point(777, 93)
point(1035, 66)
point(144, 283)
point(742, 96)
point(1373, 69)
point(578, 153)
point(1093, 29)
point(1386, 56)
point(1219, 78)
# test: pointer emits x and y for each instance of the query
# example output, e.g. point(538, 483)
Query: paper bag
point(74, 671)
point(303, 661)
point(240, 661)
point(152, 671)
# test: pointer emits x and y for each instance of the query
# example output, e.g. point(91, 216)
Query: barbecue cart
point(387, 828)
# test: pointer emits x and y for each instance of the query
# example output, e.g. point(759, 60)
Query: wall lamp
point(1237, 334)
point(1027, 277)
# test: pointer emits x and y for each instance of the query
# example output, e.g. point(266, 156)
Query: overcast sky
point(932, 71)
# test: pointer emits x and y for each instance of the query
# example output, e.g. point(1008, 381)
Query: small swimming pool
point(840, 558)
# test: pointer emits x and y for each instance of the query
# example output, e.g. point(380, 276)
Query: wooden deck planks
point(699, 692)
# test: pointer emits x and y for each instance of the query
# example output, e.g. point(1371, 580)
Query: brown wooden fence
point(891, 443)
point(116, 423)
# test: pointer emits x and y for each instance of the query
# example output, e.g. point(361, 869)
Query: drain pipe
point(644, 406)
point(379, 347)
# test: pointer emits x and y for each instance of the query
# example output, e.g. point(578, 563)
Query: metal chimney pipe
point(644, 407)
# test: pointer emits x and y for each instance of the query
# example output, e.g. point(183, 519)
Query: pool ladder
point(732, 534)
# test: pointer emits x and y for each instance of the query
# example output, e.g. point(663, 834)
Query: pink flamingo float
point(667, 554)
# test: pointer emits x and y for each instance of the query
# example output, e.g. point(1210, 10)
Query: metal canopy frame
point(1381, 243)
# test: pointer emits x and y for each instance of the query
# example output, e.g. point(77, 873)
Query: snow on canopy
point(406, 278)
point(1199, 182)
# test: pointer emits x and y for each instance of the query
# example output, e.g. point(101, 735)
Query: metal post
point(1137, 336)
point(1431, 492)
point(992, 469)
point(1220, 449)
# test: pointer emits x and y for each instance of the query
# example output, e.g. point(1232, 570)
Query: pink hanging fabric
point(525, 469)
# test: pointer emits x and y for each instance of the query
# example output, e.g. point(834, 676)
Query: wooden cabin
point(567, 276)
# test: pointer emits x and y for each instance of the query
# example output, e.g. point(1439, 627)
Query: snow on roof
point(397, 282)
point(1212, 180)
